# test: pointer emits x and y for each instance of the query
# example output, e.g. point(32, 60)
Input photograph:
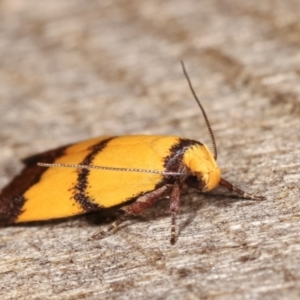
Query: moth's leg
point(234, 189)
point(174, 208)
point(136, 208)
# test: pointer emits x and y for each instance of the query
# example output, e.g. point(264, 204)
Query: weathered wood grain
point(71, 70)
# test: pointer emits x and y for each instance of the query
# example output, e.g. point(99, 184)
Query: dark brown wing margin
point(11, 197)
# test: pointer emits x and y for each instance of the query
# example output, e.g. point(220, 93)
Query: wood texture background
point(71, 70)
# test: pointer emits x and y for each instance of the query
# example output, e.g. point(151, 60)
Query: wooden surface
point(71, 70)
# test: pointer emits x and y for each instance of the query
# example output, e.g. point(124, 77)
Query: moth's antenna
point(92, 167)
point(202, 109)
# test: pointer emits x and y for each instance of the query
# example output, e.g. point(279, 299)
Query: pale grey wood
point(72, 70)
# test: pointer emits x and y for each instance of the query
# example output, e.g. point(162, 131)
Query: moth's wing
point(40, 193)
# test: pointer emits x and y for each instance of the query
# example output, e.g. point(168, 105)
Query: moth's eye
point(194, 182)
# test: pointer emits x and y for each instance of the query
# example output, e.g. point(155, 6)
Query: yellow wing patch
point(110, 188)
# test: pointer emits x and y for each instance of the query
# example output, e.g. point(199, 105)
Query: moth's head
point(201, 163)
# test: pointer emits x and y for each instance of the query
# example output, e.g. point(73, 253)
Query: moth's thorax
point(201, 162)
